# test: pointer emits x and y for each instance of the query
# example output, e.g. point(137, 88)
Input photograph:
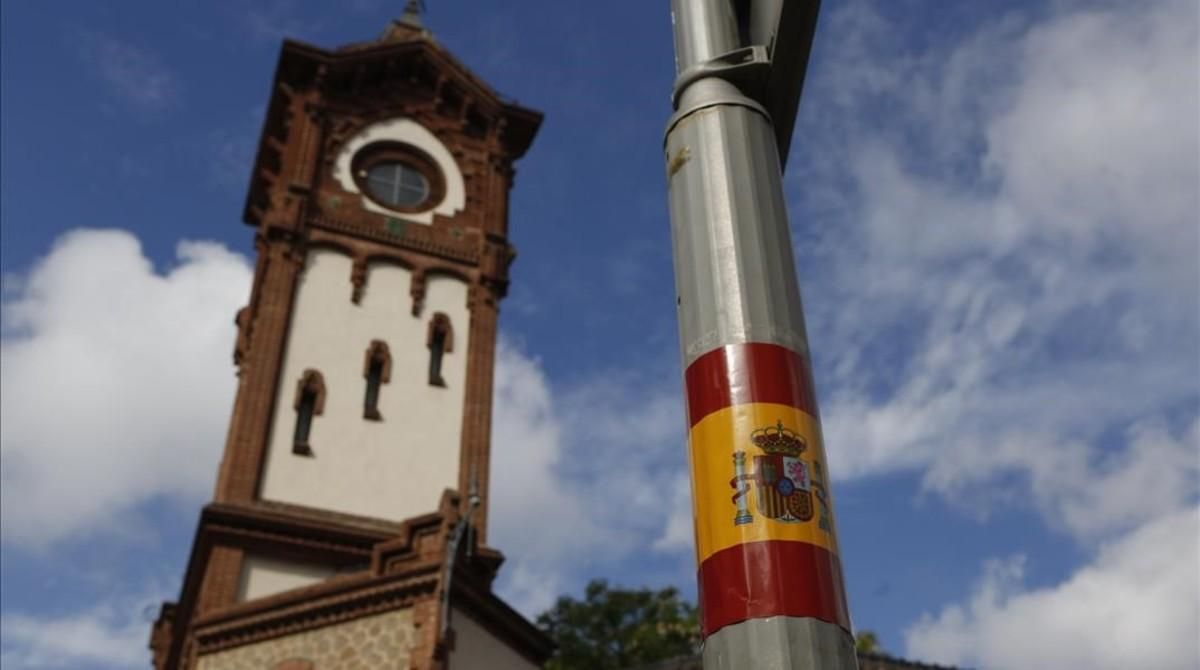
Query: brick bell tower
point(349, 523)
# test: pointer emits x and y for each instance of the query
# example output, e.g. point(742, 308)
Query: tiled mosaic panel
point(375, 642)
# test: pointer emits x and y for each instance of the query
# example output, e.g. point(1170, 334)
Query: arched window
point(377, 368)
point(440, 342)
point(310, 402)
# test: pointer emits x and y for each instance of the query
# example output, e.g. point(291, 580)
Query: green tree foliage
point(614, 629)
point(867, 641)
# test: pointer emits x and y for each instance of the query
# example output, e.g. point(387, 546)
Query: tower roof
point(408, 27)
point(404, 59)
point(412, 14)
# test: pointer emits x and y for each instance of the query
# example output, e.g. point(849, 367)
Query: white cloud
point(134, 74)
point(1005, 314)
point(1006, 253)
point(1007, 262)
point(1081, 489)
point(678, 535)
point(1134, 606)
point(116, 389)
point(116, 383)
point(533, 507)
point(110, 635)
point(1100, 138)
point(584, 476)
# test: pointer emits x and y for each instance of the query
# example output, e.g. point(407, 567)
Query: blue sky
point(994, 209)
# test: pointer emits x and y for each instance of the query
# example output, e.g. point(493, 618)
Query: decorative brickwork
point(866, 661)
point(475, 449)
point(370, 643)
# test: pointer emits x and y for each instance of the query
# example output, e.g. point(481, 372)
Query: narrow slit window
point(310, 401)
point(436, 349)
point(441, 342)
point(304, 416)
point(377, 367)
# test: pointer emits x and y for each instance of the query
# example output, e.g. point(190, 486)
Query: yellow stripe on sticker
point(759, 473)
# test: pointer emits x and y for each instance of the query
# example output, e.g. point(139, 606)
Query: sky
point(994, 213)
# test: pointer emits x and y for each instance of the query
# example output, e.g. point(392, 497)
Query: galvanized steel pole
point(770, 581)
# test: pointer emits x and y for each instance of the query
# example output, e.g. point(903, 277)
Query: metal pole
point(770, 581)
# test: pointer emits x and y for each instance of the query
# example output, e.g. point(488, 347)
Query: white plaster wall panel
point(395, 468)
point(477, 649)
point(263, 577)
point(409, 132)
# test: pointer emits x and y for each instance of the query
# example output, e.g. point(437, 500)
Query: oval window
point(398, 176)
point(397, 184)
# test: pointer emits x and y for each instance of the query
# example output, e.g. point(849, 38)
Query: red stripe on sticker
point(756, 580)
point(742, 373)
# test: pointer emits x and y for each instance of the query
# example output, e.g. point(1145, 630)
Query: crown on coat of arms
point(778, 440)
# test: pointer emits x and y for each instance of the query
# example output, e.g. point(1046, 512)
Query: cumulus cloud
point(1081, 489)
point(1005, 244)
point(584, 476)
point(1134, 606)
point(1004, 249)
point(1007, 263)
point(116, 384)
point(531, 505)
point(110, 635)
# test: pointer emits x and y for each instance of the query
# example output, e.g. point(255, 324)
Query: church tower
point(349, 523)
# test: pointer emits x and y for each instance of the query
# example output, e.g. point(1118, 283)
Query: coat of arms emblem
point(787, 488)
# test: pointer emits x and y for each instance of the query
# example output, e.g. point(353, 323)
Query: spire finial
point(412, 13)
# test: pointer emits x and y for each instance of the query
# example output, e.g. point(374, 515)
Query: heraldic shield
point(783, 488)
point(785, 485)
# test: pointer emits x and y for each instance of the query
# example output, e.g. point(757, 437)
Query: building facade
point(867, 660)
point(348, 527)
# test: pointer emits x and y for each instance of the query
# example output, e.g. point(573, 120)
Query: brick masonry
point(375, 642)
